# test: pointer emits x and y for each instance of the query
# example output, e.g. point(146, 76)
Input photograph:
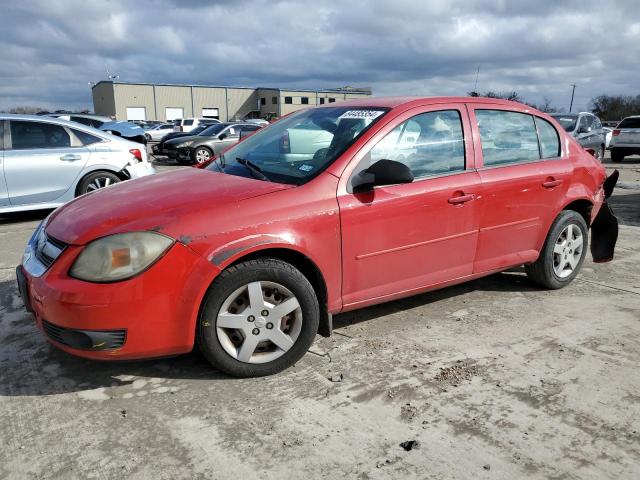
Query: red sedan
point(327, 210)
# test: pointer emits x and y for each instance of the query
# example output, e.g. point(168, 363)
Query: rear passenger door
point(524, 182)
point(42, 161)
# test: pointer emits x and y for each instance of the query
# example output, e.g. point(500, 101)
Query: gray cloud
point(51, 50)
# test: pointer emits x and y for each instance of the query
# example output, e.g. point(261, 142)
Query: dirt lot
point(492, 379)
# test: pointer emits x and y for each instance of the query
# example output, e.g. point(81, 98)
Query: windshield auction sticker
point(365, 114)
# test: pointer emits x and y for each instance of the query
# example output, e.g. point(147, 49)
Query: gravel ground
point(491, 379)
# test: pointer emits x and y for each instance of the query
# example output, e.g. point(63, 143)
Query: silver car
point(625, 139)
point(586, 128)
point(45, 161)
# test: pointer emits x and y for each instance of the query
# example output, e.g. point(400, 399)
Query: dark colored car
point(586, 128)
point(161, 148)
point(208, 143)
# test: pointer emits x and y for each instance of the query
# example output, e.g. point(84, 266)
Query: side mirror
point(222, 136)
point(383, 172)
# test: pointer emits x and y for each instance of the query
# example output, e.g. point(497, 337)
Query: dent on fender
point(224, 253)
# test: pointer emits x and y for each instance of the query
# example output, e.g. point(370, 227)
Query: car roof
point(55, 120)
point(393, 102)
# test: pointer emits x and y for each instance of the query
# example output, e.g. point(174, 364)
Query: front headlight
point(185, 144)
point(119, 256)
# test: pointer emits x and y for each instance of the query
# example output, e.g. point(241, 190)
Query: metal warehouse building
point(146, 101)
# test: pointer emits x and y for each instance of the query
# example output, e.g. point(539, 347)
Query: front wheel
point(563, 253)
point(202, 155)
point(258, 318)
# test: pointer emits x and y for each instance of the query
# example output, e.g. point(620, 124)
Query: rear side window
point(30, 135)
point(86, 138)
point(429, 144)
point(507, 137)
point(630, 123)
point(549, 140)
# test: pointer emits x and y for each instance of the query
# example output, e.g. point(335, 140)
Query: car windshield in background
point(211, 130)
point(568, 122)
point(631, 122)
point(298, 147)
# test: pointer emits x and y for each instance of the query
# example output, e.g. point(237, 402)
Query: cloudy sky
point(52, 50)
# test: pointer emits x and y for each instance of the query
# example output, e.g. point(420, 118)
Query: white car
point(188, 124)
point(155, 133)
point(46, 161)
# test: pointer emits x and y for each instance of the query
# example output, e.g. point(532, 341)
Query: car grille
point(48, 249)
point(85, 339)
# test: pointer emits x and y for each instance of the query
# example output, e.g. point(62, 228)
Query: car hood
point(163, 202)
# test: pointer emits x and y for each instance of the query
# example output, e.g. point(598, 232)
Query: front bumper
point(184, 154)
point(151, 315)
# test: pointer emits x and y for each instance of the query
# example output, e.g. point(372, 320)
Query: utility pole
point(572, 93)
point(475, 86)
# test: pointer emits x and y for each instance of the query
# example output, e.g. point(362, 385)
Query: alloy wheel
point(567, 251)
point(259, 322)
point(202, 155)
point(98, 183)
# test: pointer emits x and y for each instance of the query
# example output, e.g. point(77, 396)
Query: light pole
point(572, 93)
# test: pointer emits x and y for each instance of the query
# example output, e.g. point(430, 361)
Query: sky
point(51, 51)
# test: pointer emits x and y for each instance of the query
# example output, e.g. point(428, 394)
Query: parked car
point(257, 121)
point(251, 256)
point(586, 128)
point(188, 124)
point(45, 162)
point(208, 143)
point(625, 139)
point(155, 133)
point(161, 149)
point(127, 130)
point(607, 136)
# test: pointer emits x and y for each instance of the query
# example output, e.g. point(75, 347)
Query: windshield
point(211, 130)
point(300, 146)
point(568, 122)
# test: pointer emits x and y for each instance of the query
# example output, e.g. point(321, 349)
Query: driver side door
point(400, 239)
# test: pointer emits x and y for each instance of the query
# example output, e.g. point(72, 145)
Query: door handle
point(461, 199)
point(70, 157)
point(551, 182)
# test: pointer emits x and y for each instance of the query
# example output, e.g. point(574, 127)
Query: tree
point(615, 107)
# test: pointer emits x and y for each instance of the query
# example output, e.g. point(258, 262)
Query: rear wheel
point(258, 318)
point(563, 253)
point(616, 156)
point(96, 181)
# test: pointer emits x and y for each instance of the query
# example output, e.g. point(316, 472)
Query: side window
point(86, 138)
point(549, 139)
point(232, 132)
point(188, 122)
point(429, 144)
point(596, 124)
point(507, 137)
point(28, 135)
point(584, 122)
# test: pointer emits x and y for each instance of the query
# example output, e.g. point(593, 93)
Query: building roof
point(353, 90)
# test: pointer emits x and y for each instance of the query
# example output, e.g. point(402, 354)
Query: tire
point(272, 284)
point(616, 156)
point(202, 154)
point(95, 181)
point(559, 262)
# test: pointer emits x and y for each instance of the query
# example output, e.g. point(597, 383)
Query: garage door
point(136, 113)
point(173, 113)
point(210, 113)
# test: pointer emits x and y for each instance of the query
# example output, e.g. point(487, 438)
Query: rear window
point(188, 122)
point(568, 122)
point(507, 137)
point(630, 123)
point(86, 138)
